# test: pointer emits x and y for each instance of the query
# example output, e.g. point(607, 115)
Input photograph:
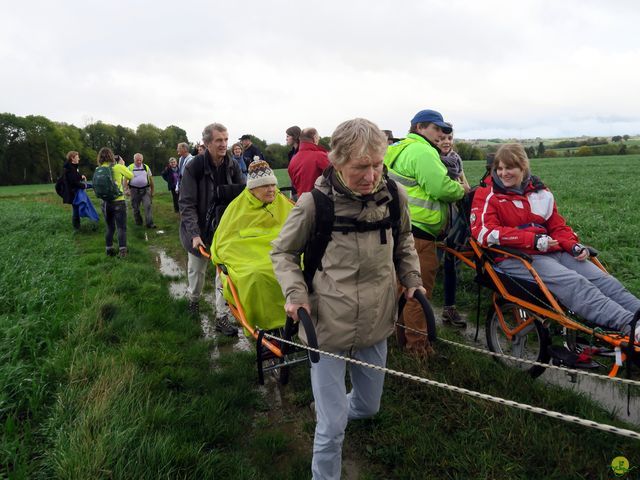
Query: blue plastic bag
point(85, 207)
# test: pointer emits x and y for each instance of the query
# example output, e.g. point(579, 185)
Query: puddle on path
point(167, 265)
point(170, 268)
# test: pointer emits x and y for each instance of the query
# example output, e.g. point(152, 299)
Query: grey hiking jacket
point(198, 193)
point(353, 305)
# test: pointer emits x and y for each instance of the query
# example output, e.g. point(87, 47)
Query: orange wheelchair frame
point(527, 323)
point(270, 355)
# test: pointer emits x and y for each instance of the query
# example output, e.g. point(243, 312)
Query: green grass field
point(104, 375)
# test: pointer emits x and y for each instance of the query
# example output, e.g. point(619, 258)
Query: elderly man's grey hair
point(356, 138)
point(184, 146)
point(207, 133)
point(138, 155)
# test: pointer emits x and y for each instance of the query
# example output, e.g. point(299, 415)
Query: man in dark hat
point(415, 163)
point(250, 151)
point(390, 138)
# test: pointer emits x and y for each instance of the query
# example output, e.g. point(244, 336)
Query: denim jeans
point(115, 214)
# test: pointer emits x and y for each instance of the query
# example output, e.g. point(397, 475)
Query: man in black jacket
point(200, 209)
point(249, 150)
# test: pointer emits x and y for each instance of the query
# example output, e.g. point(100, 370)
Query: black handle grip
point(312, 340)
point(428, 313)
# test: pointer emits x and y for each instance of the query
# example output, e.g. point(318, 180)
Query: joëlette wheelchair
point(271, 355)
point(526, 321)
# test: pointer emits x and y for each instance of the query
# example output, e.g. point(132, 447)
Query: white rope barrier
point(464, 391)
point(528, 362)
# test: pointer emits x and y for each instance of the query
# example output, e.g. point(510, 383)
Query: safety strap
point(326, 222)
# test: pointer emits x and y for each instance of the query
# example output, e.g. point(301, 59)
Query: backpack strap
point(317, 244)
point(324, 226)
point(394, 213)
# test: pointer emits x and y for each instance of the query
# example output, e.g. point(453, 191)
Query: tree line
point(34, 148)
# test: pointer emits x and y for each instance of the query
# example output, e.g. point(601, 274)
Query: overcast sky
point(499, 68)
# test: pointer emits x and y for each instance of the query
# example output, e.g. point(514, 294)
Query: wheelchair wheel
point(529, 344)
point(269, 362)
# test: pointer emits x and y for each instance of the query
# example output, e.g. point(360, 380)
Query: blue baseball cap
point(431, 116)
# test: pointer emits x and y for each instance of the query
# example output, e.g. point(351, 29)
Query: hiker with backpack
point(358, 253)
point(201, 208)
point(72, 181)
point(141, 188)
point(107, 185)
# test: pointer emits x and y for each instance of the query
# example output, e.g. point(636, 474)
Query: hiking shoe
point(194, 309)
point(451, 316)
point(224, 326)
point(123, 252)
point(111, 252)
point(153, 225)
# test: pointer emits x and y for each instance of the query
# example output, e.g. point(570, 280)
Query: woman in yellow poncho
point(242, 243)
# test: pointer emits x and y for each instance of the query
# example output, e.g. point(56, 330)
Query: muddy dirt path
point(298, 420)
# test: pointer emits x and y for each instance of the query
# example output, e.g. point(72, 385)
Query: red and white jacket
point(500, 217)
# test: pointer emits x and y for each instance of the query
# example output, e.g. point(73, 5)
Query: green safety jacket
point(416, 165)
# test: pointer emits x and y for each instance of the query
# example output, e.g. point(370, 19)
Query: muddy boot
point(123, 252)
point(223, 325)
point(451, 316)
point(111, 252)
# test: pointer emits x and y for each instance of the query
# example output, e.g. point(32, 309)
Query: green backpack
point(104, 186)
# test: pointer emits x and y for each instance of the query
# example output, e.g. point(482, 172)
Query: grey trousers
point(334, 407)
point(582, 287)
point(138, 196)
point(196, 275)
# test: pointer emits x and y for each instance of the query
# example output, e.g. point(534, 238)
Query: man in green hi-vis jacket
point(414, 163)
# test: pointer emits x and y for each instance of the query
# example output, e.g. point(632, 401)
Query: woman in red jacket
point(516, 210)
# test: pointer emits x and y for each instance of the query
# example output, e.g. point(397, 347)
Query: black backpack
point(61, 186)
point(327, 222)
point(103, 184)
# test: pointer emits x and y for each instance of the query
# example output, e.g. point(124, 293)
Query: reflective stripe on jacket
point(416, 165)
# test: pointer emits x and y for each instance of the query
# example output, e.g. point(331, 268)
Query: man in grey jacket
point(200, 209)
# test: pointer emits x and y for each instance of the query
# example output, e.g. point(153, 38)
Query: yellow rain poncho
point(242, 243)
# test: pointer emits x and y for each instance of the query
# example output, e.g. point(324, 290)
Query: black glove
point(577, 249)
